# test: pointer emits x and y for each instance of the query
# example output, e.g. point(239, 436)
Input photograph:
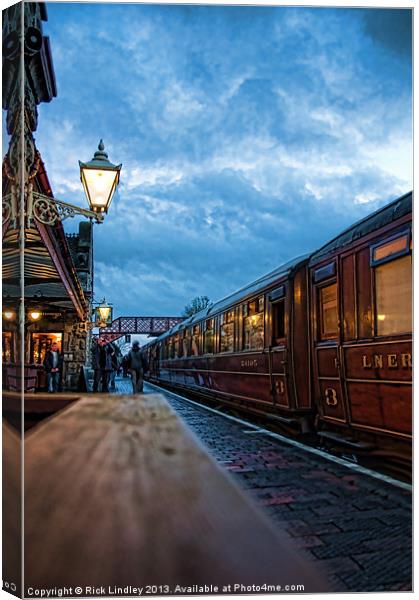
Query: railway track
point(397, 472)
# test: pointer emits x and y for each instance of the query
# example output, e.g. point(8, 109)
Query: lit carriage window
point(227, 331)
point(253, 324)
point(393, 296)
point(177, 346)
point(170, 347)
point(185, 343)
point(209, 336)
point(195, 341)
point(181, 341)
point(328, 300)
point(278, 322)
point(390, 249)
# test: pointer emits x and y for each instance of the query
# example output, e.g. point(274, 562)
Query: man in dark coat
point(137, 364)
point(53, 364)
point(102, 365)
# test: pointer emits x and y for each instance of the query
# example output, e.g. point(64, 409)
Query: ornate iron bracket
point(44, 209)
point(49, 210)
point(7, 209)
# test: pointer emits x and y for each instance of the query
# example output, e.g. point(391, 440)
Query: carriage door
point(327, 351)
point(279, 368)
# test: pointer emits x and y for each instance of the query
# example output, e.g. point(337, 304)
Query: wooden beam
point(37, 402)
point(5, 227)
point(62, 269)
point(118, 492)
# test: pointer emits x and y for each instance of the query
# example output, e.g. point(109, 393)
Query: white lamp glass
point(99, 178)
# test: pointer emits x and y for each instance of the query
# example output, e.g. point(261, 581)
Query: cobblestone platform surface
point(356, 527)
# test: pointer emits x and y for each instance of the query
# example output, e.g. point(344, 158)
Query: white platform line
point(340, 461)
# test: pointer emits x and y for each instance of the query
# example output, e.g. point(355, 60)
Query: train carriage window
point(227, 331)
point(195, 341)
point(328, 309)
point(253, 324)
point(185, 343)
point(209, 336)
point(278, 322)
point(393, 296)
point(324, 272)
point(392, 248)
point(171, 347)
point(178, 346)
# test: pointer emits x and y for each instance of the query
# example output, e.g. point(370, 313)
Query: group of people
point(105, 366)
point(105, 363)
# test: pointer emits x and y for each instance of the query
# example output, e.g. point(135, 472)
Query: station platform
point(122, 499)
point(357, 528)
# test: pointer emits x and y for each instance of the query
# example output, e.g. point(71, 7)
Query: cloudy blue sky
point(248, 136)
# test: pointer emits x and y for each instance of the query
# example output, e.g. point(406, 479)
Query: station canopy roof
point(50, 276)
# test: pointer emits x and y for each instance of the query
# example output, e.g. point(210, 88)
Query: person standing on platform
point(137, 364)
point(102, 365)
point(53, 364)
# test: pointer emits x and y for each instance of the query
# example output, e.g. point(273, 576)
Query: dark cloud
point(390, 27)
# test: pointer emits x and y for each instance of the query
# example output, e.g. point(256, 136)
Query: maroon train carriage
point(361, 327)
point(250, 350)
point(328, 335)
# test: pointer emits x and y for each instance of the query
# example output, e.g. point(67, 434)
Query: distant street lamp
point(100, 179)
point(103, 314)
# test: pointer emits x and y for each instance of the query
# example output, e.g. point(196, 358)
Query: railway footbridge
point(151, 326)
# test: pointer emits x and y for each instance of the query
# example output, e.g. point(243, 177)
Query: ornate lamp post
point(99, 178)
